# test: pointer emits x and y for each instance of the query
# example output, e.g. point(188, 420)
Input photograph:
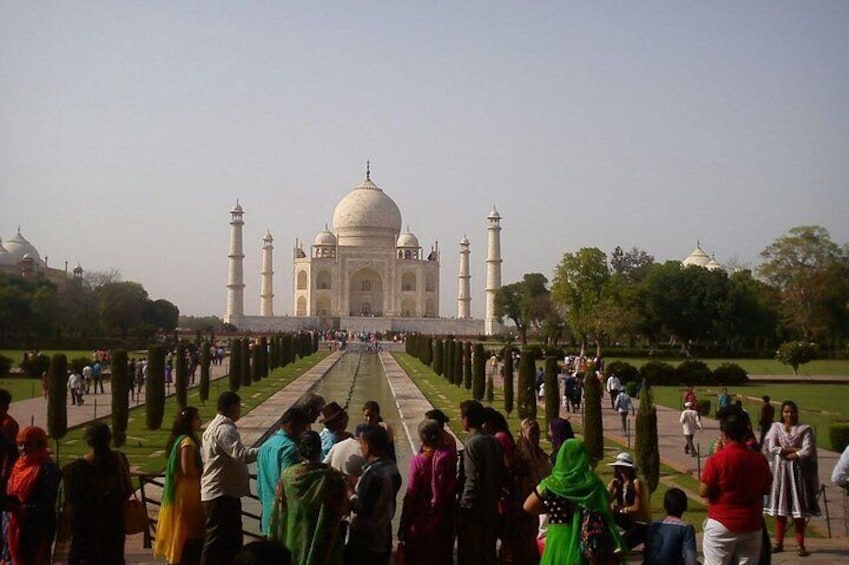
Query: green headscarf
point(171, 469)
point(573, 479)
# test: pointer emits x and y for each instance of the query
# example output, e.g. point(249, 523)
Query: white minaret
point(463, 296)
point(236, 280)
point(493, 271)
point(266, 292)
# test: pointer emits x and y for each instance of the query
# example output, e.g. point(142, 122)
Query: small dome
point(697, 258)
point(78, 269)
point(407, 239)
point(494, 215)
point(465, 241)
point(267, 238)
point(325, 237)
point(237, 208)
point(18, 246)
point(367, 216)
point(713, 265)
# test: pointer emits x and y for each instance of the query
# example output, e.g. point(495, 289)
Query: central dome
point(367, 217)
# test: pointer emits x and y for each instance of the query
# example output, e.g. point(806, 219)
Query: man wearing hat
point(335, 420)
point(690, 421)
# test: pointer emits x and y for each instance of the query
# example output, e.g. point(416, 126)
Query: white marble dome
point(367, 216)
point(18, 246)
point(697, 258)
point(325, 237)
point(407, 239)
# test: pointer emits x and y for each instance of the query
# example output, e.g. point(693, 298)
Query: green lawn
point(819, 404)
point(21, 388)
point(146, 448)
point(17, 355)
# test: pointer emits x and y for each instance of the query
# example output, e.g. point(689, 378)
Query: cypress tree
point(427, 358)
point(478, 369)
point(458, 363)
point(527, 388)
point(315, 342)
point(448, 360)
point(507, 376)
point(246, 363)
point(263, 354)
point(646, 445)
point(235, 364)
point(256, 362)
point(57, 401)
point(272, 354)
point(154, 385)
point(552, 390)
point(120, 396)
point(181, 373)
point(205, 359)
point(593, 428)
point(437, 357)
point(468, 372)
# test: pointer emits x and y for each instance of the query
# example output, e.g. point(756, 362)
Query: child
point(671, 540)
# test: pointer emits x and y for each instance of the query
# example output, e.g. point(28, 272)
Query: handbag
point(135, 516)
point(135, 513)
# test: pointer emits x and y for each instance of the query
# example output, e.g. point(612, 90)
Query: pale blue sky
point(128, 129)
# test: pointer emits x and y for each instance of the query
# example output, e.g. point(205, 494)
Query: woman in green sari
point(566, 496)
point(312, 499)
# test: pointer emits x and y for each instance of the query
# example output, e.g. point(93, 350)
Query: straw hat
point(623, 460)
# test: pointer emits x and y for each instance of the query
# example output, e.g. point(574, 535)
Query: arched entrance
point(365, 293)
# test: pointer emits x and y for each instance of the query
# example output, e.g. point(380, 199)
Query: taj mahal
point(364, 275)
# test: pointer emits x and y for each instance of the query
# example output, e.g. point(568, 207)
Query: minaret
point(266, 292)
point(463, 296)
point(493, 271)
point(236, 280)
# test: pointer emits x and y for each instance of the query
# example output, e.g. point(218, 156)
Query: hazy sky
point(128, 130)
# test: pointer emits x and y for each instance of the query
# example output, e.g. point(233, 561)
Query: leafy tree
point(579, 281)
point(527, 386)
point(161, 314)
point(526, 303)
point(57, 397)
point(507, 376)
point(632, 265)
point(795, 353)
point(155, 387)
point(593, 426)
point(646, 446)
point(810, 271)
point(552, 390)
point(205, 360)
point(120, 306)
point(120, 396)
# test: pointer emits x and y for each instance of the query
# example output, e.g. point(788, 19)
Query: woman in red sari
point(29, 517)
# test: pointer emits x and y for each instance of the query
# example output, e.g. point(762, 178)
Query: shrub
point(730, 374)
point(5, 365)
point(33, 366)
point(694, 373)
point(632, 388)
point(795, 353)
point(704, 407)
point(624, 371)
point(658, 373)
point(838, 436)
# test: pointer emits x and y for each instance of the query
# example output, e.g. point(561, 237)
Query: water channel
point(356, 378)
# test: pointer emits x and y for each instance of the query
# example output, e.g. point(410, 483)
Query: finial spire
point(368, 170)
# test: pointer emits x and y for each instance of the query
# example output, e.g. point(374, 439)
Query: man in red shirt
point(734, 481)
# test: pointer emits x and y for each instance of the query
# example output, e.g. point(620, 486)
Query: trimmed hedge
point(704, 407)
point(659, 373)
point(838, 435)
point(694, 373)
point(730, 374)
point(632, 388)
point(5, 365)
point(624, 371)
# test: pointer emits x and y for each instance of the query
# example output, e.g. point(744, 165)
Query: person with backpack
point(580, 524)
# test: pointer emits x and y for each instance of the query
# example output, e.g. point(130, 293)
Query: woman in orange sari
point(29, 517)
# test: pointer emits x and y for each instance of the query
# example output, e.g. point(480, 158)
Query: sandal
point(778, 548)
point(802, 552)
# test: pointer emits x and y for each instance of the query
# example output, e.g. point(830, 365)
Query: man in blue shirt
point(276, 454)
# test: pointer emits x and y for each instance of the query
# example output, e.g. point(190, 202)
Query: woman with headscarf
point(312, 499)
point(29, 517)
point(792, 451)
point(426, 517)
point(96, 486)
point(181, 526)
point(532, 466)
point(572, 491)
point(559, 430)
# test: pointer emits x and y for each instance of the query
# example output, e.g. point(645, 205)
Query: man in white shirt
point(690, 422)
point(75, 386)
point(613, 386)
point(224, 481)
